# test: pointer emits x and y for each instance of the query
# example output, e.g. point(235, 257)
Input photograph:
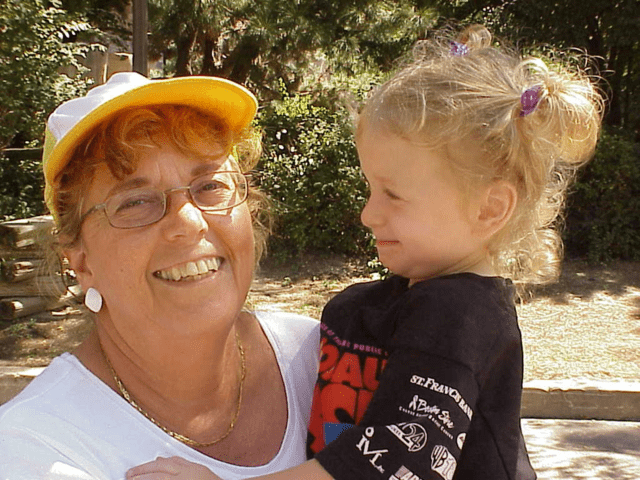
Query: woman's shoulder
point(48, 392)
point(291, 335)
point(286, 323)
point(295, 340)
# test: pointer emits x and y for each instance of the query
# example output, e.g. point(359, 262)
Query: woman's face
point(148, 276)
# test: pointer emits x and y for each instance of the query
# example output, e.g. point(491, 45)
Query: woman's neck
point(189, 385)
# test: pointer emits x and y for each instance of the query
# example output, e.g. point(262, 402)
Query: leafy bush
point(21, 184)
point(603, 218)
point(310, 170)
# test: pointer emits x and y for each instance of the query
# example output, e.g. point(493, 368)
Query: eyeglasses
point(139, 207)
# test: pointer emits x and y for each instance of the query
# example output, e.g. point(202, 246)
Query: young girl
point(468, 152)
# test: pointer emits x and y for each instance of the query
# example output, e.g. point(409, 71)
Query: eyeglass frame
point(165, 195)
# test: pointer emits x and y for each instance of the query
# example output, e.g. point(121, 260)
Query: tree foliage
point(21, 185)
point(310, 171)
point(261, 42)
point(34, 48)
point(110, 17)
point(603, 218)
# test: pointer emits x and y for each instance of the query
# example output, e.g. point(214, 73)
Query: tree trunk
point(237, 66)
point(183, 59)
point(208, 62)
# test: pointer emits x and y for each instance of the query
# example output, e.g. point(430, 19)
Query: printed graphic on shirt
point(331, 431)
point(374, 455)
point(404, 473)
point(442, 462)
point(347, 378)
point(460, 440)
point(413, 435)
point(430, 384)
point(418, 407)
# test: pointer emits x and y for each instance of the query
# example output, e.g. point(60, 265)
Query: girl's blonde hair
point(120, 141)
point(468, 93)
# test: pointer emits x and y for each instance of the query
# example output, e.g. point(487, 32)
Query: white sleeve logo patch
point(430, 384)
point(404, 473)
point(374, 455)
point(443, 463)
point(413, 435)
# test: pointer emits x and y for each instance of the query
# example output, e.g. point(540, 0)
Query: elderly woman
point(154, 214)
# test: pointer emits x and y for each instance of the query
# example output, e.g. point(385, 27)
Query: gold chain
point(186, 440)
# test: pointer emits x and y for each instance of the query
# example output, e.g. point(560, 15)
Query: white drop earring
point(93, 300)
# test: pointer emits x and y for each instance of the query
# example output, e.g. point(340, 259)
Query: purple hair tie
point(529, 100)
point(458, 49)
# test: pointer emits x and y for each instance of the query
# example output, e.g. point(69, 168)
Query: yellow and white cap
point(68, 124)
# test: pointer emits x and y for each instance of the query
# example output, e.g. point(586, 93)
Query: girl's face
point(422, 223)
point(177, 276)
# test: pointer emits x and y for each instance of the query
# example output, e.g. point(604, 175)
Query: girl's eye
point(391, 195)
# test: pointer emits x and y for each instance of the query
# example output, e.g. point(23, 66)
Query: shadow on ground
point(581, 279)
point(569, 449)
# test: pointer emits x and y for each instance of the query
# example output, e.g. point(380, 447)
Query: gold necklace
point(186, 440)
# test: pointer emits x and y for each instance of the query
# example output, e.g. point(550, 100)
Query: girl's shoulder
point(371, 293)
point(460, 316)
point(464, 291)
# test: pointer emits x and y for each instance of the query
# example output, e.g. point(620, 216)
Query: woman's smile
point(190, 271)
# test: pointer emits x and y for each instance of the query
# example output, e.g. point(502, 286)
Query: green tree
point(36, 44)
point(34, 48)
point(109, 16)
point(260, 42)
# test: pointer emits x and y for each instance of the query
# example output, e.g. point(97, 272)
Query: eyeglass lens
point(143, 206)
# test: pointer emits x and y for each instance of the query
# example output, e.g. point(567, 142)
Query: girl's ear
point(77, 258)
point(497, 203)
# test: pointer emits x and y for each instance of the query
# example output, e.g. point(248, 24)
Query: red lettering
point(364, 397)
point(315, 422)
point(328, 360)
point(348, 371)
point(332, 404)
point(335, 398)
point(370, 374)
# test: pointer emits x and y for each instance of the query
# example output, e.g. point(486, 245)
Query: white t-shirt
point(67, 424)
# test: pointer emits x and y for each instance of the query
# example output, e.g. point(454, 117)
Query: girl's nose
point(370, 215)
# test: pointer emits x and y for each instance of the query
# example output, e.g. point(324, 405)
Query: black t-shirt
point(421, 382)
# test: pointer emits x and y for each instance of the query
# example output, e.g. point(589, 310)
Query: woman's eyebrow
point(135, 182)
point(138, 182)
point(213, 166)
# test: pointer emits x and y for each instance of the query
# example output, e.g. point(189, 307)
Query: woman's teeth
point(190, 270)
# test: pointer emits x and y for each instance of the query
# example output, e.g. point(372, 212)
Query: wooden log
point(21, 270)
point(27, 253)
point(39, 286)
point(17, 307)
point(25, 232)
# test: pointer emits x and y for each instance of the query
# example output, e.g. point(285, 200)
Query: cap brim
point(230, 102)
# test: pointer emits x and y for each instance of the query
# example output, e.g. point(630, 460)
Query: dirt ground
point(585, 326)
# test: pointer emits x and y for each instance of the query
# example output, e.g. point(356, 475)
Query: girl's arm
point(180, 469)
